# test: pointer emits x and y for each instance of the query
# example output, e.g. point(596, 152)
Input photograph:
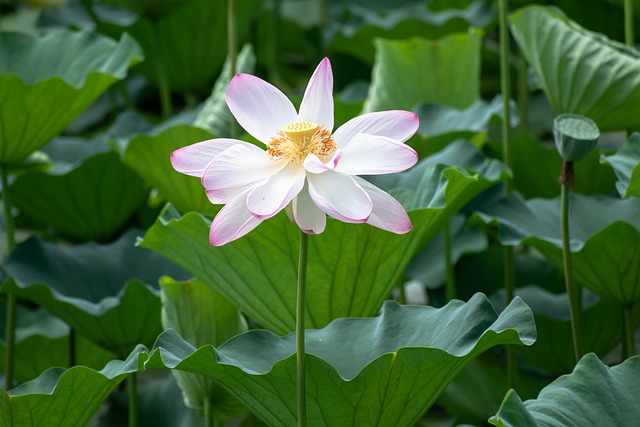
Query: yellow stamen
point(295, 141)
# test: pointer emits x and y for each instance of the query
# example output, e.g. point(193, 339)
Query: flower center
point(295, 141)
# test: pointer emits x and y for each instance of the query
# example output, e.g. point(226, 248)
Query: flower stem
point(505, 88)
point(573, 291)
point(132, 383)
point(523, 93)
point(629, 332)
point(232, 51)
point(161, 77)
point(12, 303)
point(208, 413)
point(300, 329)
point(628, 23)
point(450, 289)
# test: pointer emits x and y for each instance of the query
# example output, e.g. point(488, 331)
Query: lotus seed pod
point(575, 136)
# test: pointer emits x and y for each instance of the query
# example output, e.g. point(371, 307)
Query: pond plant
point(319, 213)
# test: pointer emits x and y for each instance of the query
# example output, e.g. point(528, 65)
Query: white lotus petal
point(193, 159)
point(374, 155)
point(396, 124)
point(317, 102)
point(259, 107)
point(387, 213)
point(232, 222)
point(267, 199)
point(339, 196)
point(309, 217)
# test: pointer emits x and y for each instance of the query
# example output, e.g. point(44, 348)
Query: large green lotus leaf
point(90, 202)
point(46, 82)
point(581, 72)
point(355, 25)
point(553, 351)
point(47, 332)
point(605, 238)
point(352, 268)
point(593, 395)
point(65, 397)
point(189, 41)
point(108, 293)
point(150, 156)
point(626, 164)
point(536, 169)
point(416, 71)
point(387, 370)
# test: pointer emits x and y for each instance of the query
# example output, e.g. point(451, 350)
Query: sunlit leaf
point(416, 71)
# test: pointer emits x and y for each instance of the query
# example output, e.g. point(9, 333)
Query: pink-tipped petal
point(317, 102)
point(374, 155)
point(232, 222)
point(339, 196)
point(237, 168)
point(259, 107)
point(387, 214)
point(267, 199)
point(193, 159)
point(396, 124)
point(307, 215)
point(314, 165)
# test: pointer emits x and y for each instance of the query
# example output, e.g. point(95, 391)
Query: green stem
point(164, 88)
point(208, 413)
point(12, 303)
point(505, 88)
point(629, 331)
point(402, 293)
point(450, 289)
point(523, 92)
point(132, 383)
point(629, 37)
point(232, 51)
point(300, 329)
point(573, 291)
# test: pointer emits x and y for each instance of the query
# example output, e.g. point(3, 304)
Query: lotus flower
point(306, 167)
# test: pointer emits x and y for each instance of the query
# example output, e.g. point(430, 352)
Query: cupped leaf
point(387, 370)
point(108, 293)
point(150, 156)
point(46, 82)
point(416, 71)
point(201, 317)
point(605, 238)
point(581, 72)
point(352, 268)
point(593, 395)
point(626, 164)
point(89, 202)
point(65, 398)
